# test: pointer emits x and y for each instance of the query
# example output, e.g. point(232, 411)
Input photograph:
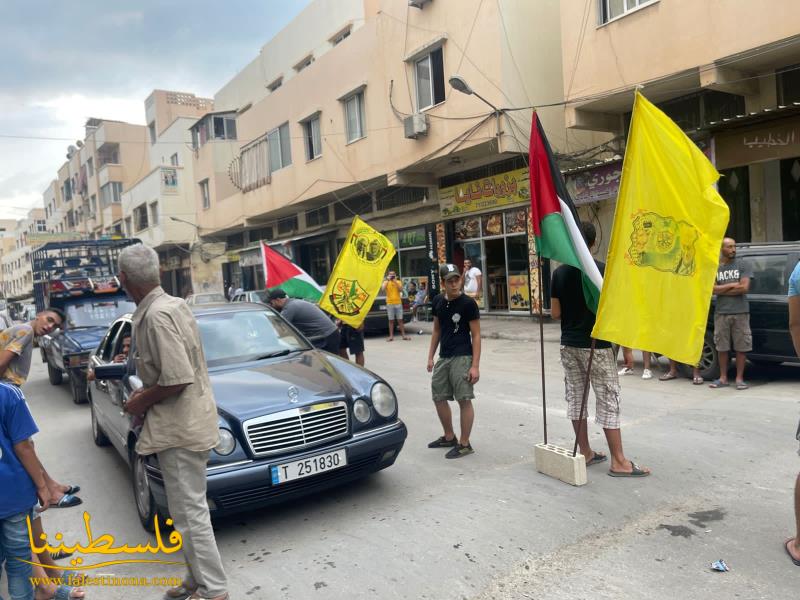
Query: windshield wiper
point(275, 354)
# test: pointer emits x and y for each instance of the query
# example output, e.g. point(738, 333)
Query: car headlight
point(383, 399)
point(227, 443)
point(361, 410)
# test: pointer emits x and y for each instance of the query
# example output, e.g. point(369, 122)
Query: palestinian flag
point(280, 272)
point(555, 219)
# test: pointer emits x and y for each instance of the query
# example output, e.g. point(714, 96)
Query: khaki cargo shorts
point(604, 380)
point(732, 332)
point(449, 380)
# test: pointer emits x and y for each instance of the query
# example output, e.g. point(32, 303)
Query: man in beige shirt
point(180, 415)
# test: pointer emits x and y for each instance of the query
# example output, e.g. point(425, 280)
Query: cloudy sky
point(66, 61)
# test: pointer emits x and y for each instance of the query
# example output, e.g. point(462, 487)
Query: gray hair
point(140, 265)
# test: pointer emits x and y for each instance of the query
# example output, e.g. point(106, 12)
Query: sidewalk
point(521, 329)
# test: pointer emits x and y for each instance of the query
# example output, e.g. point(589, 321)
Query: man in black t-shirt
point(457, 333)
point(577, 321)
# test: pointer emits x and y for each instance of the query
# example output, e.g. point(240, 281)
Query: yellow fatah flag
point(665, 243)
point(358, 274)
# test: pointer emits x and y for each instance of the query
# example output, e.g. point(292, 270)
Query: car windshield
point(207, 298)
point(232, 337)
point(96, 312)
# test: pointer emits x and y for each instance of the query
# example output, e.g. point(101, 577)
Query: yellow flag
point(665, 243)
point(357, 274)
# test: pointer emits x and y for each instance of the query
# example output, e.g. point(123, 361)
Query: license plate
point(309, 466)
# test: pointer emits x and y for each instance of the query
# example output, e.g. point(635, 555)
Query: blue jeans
point(14, 544)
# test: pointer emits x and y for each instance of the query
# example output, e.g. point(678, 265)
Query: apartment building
point(350, 110)
point(16, 257)
point(159, 208)
point(727, 72)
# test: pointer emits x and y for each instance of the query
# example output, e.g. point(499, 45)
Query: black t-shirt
point(454, 317)
point(577, 321)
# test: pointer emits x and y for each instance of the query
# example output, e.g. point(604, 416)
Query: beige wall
point(162, 107)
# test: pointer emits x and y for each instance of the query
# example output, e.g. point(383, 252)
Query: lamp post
point(460, 84)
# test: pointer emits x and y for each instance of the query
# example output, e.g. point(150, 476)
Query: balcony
point(109, 172)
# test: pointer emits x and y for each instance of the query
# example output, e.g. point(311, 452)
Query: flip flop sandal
point(67, 501)
point(635, 472)
point(596, 458)
point(716, 384)
point(73, 489)
point(698, 380)
point(786, 547)
point(741, 385)
point(667, 377)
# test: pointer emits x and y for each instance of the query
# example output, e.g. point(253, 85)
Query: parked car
point(293, 420)
point(771, 263)
point(205, 298)
point(259, 296)
point(376, 320)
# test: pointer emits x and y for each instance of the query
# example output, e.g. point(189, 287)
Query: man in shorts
point(393, 289)
point(577, 321)
point(352, 339)
point(792, 545)
point(732, 314)
point(456, 324)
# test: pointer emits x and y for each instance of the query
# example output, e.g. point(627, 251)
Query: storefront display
point(414, 258)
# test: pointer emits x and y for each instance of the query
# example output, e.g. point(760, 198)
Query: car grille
point(297, 428)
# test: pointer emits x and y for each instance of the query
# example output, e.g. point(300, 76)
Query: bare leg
point(391, 329)
point(673, 368)
point(618, 461)
point(793, 545)
point(360, 359)
point(402, 329)
point(583, 438)
point(343, 353)
point(740, 360)
point(467, 419)
point(646, 359)
point(445, 418)
point(723, 366)
point(627, 357)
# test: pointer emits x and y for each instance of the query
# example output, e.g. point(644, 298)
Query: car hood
point(83, 339)
point(258, 388)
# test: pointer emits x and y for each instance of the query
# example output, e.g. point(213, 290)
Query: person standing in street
point(473, 280)
point(352, 339)
point(732, 314)
point(577, 321)
point(394, 304)
point(180, 415)
point(308, 318)
point(792, 545)
point(627, 363)
point(457, 334)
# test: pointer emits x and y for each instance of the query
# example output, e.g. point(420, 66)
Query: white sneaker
point(625, 371)
point(647, 374)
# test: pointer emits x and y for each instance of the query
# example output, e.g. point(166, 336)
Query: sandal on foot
point(443, 442)
point(635, 472)
point(786, 547)
point(182, 592)
point(67, 501)
point(741, 385)
point(65, 592)
point(60, 554)
point(698, 380)
point(597, 457)
point(72, 489)
point(667, 377)
point(718, 383)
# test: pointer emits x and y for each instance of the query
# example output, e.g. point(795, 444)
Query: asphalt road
point(488, 525)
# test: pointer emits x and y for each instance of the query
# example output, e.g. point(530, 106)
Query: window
point(110, 193)
point(275, 84)
point(611, 9)
point(389, 198)
point(204, 193)
point(768, 275)
point(262, 233)
point(304, 63)
point(287, 225)
point(151, 128)
point(312, 137)
point(280, 151)
point(154, 213)
point(359, 205)
point(67, 190)
point(90, 166)
point(93, 205)
point(354, 116)
point(788, 81)
point(429, 73)
point(140, 218)
point(317, 216)
point(254, 165)
point(224, 128)
point(41, 226)
point(340, 37)
point(173, 160)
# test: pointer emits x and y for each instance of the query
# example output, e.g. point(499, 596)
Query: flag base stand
point(560, 464)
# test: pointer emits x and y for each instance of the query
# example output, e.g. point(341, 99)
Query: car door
point(769, 309)
point(100, 390)
point(118, 393)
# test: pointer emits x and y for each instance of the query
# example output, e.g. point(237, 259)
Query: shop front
point(176, 271)
point(487, 221)
point(415, 262)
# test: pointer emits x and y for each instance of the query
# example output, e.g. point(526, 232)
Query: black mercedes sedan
point(293, 420)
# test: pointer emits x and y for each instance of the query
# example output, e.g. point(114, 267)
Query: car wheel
point(145, 505)
point(100, 438)
point(709, 361)
point(78, 386)
point(55, 376)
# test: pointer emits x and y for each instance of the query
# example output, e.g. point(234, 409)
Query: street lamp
point(458, 83)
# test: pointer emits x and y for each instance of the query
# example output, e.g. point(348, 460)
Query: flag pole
point(584, 399)
point(541, 347)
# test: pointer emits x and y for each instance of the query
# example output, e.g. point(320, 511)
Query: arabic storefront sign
point(747, 145)
point(593, 185)
point(482, 194)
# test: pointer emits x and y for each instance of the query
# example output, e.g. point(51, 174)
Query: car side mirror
point(110, 371)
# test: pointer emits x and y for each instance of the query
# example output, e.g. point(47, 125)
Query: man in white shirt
point(473, 279)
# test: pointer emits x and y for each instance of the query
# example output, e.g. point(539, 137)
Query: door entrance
point(495, 274)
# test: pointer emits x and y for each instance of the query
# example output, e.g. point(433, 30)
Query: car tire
point(142, 496)
point(78, 386)
point(99, 436)
point(56, 376)
point(709, 361)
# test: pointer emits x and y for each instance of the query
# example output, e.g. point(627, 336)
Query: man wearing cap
point(308, 318)
point(457, 333)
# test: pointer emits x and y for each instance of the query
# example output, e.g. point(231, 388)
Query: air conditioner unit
point(418, 3)
point(415, 125)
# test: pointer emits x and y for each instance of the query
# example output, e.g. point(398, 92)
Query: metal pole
point(585, 397)
point(541, 348)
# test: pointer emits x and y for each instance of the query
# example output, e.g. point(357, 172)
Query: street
point(488, 525)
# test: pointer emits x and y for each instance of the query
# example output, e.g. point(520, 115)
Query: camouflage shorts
point(604, 380)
